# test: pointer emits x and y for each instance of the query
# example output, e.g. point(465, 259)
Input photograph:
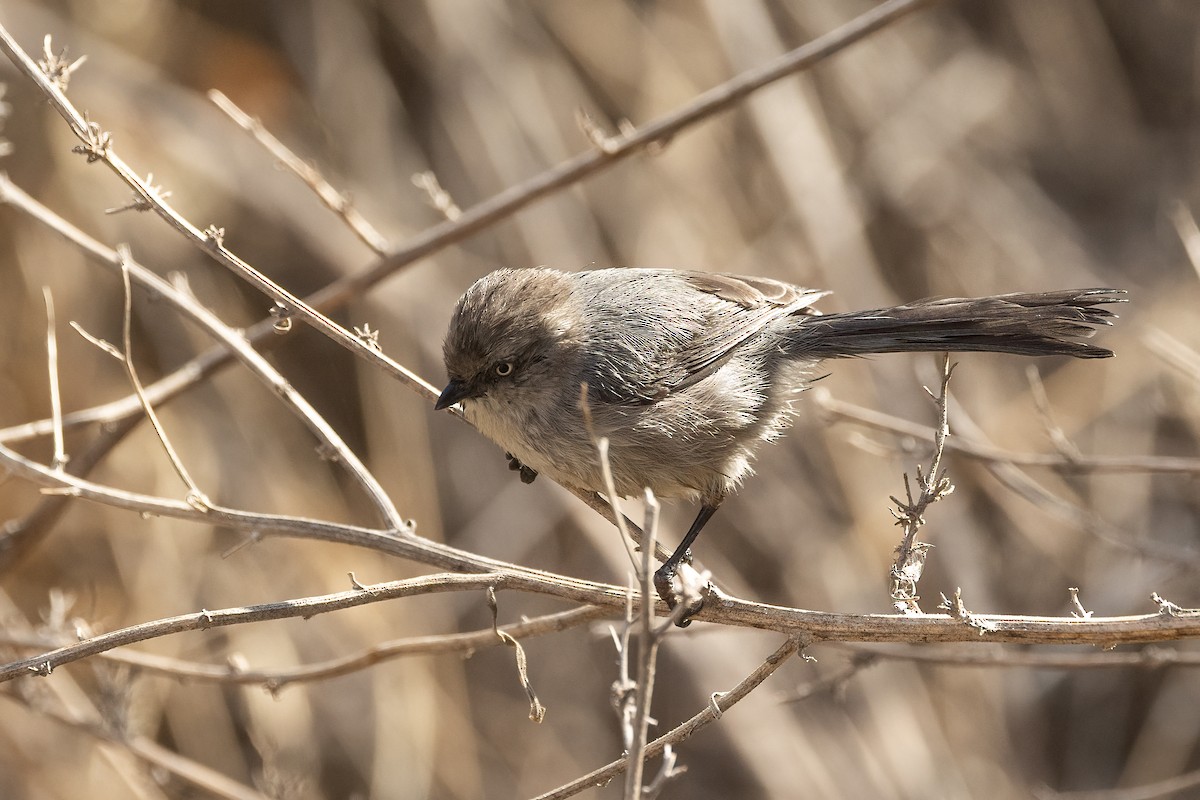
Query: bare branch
point(237, 672)
point(651, 135)
point(336, 201)
point(1154, 657)
point(439, 198)
point(155, 755)
point(648, 641)
point(910, 513)
point(196, 498)
point(235, 343)
point(59, 459)
point(821, 626)
point(722, 702)
point(983, 451)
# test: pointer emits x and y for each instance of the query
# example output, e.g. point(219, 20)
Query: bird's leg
point(665, 574)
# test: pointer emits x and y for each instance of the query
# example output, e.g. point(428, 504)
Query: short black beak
point(455, 390)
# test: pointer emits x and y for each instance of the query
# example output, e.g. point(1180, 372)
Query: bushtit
point(688, 372)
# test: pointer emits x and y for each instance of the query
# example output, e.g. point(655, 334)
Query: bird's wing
point(687, 332)
point(750, 304)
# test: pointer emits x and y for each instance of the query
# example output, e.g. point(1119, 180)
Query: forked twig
point(195, 497)
point(234, 344)
point(909, 513)
point(721, 702)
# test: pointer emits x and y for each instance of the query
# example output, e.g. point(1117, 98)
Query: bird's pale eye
point(504, 369)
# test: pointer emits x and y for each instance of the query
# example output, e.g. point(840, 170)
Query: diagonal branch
point(721, 702)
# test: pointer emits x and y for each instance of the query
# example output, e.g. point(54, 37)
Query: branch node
point(56, 66)
point(438, 197)
point(1080, 612)
point(283, 318)
point(369, 338)
point(97, 142)
point(1169, 609)
point(140, 202)
point(957, 609)
point(714, 704)
point(214, 237)
point(197, 500)
point(595, 134)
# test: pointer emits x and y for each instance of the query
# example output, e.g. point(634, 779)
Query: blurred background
point(972, 148)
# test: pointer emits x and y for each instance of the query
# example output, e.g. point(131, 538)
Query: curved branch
point(1168, 623)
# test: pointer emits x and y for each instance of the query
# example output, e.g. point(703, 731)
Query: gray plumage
point(688, 372)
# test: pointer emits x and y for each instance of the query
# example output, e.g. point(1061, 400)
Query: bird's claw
point(687, 587)
point(527, 474)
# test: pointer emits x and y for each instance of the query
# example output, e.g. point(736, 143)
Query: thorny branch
point(933, 485)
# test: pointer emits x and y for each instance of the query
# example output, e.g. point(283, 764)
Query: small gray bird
point(688, 372)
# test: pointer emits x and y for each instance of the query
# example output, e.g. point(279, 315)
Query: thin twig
point(439, 198)
point(336, 201)
point(910, 513)
point(651, 135)
point(155, 755)
point(195, 497)
point(610, 486)
point(610, 508)
point(237, 672)
point(624, 688)
point(668, 770)
point(59, 459)
point(1041, 401)
point(1168, 787)
point(722, 702)
point(235, 346)
point(648, 641)
point(1154, 657)
point(984, 451)
point(305, 607)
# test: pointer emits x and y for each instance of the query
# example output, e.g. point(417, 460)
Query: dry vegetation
point(969, 148)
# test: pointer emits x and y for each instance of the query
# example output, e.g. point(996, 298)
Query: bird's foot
point(514, 463)
point(683, 589)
